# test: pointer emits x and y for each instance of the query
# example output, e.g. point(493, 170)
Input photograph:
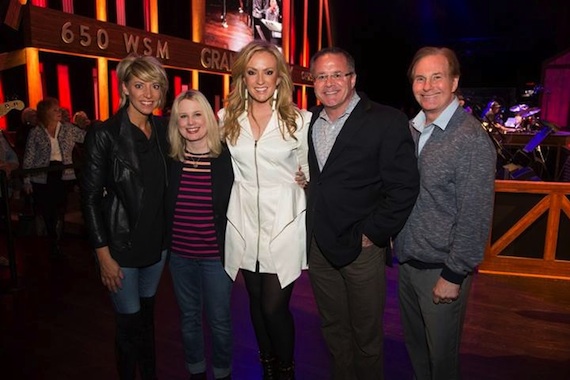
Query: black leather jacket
point(111, 183)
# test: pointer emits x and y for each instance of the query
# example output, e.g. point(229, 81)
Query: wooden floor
point(236, 35)
point(56, 323)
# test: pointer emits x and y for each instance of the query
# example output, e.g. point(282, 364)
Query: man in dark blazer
point(364, 182)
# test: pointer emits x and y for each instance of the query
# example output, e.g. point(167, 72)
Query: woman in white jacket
point(265, 237)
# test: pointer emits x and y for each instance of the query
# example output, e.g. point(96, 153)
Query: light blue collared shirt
point(419, 123)
point(326, 131)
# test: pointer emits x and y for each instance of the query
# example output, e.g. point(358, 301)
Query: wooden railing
point(531, 230)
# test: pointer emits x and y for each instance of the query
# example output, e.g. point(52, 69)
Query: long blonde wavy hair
point(236, 102)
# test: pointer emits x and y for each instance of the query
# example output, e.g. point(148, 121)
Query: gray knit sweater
point(450, 223)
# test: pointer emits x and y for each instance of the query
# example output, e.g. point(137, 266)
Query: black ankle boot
point(286, 371)
point(269, 364)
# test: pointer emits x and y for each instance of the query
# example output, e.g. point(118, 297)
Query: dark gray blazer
point(368, 185)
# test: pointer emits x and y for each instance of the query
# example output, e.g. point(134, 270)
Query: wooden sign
point(61, 32)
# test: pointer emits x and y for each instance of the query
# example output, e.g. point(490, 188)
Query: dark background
point(501, 44)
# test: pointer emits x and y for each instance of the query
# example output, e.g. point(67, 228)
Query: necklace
point(195, 158)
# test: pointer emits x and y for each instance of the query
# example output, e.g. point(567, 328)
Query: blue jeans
point(197, 282)
point(137, 283)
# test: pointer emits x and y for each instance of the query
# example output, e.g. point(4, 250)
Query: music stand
point(536, 140)
point(521, 156)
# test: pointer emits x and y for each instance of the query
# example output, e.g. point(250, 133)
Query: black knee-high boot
point(127, 342)
point(147, 360)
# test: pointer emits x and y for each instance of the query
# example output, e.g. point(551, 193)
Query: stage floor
point(57, 323)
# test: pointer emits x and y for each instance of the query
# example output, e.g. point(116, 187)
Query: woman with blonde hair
point(123, 188)
point(265, 239)
point(200, 180)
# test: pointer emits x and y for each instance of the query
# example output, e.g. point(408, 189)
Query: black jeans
point(50, 199)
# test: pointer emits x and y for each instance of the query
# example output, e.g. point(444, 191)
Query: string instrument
point(9, 106)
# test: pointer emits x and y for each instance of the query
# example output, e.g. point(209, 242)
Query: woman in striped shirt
point(200, 180)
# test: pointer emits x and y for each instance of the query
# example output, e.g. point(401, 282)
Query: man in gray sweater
point(444, 238)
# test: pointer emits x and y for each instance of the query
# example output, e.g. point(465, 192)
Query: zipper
point(257, 200)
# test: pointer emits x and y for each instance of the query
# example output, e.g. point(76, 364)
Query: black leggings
point(272, 320)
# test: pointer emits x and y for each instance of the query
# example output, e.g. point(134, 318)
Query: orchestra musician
point(493, 116)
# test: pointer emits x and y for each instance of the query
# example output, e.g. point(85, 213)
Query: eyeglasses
point(322, 78)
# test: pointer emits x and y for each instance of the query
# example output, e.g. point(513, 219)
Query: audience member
point(200, 181)
point(364, 181)
point(49, 146)
point(8, 158)
point(445, 236)
point(123, 189)
point(65, 115)
point(29, 120)
point(463, 104)
point(8, 162)
point(267, 138)
point(81, 119)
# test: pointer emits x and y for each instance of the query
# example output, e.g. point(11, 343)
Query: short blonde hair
point(146, 68)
